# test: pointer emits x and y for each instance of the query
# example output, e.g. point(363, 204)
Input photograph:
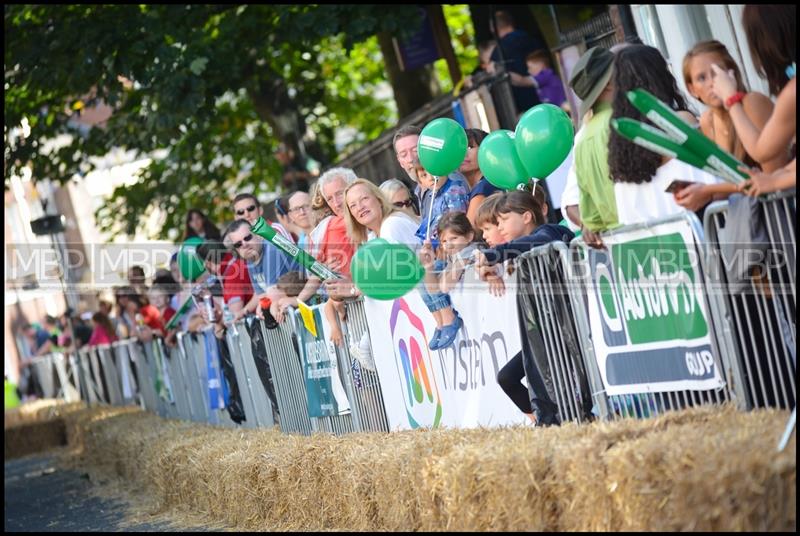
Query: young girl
point(716, 122)
point(522, 225)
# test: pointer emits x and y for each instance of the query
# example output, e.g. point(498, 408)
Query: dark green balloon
point(498, 161)
point(442, 146)
point(385, 271)
point(189, 263)
point(543, 139)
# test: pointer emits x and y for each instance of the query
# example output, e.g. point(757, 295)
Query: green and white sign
point(648, 315)
point(324, 392)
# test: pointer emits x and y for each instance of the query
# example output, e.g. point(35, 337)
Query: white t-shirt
point(400, 228)
point(571, 194)
point(637, 203)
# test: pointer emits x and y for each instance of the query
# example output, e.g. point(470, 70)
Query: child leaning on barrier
point(521, 223)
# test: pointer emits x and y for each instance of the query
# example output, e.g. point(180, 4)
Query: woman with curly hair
point(641, 177)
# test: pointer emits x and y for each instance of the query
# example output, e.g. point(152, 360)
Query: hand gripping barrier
point(646, 403)
point(755, 296)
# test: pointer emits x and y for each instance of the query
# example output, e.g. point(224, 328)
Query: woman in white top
point(640, 176)
point(369, 214)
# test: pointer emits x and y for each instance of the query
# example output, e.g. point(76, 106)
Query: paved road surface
point(39, 497)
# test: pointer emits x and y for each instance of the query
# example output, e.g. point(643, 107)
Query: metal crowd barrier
point(256, 401)
point(648, 404)
point(288, 378)
point(756, 311)
point(361, 383)
point(544, 273)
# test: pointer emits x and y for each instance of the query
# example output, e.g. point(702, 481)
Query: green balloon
point(385, 271)
point(442, 146)
point(543, 139)
point(498, 161)
point(189, 263)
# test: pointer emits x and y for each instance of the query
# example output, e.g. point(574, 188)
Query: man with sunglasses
point(248, 207)
point(265, 263)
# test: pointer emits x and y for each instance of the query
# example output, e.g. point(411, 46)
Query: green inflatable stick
point(653, 139)
point(726, 164)
point(181, 311)
point(264, 230)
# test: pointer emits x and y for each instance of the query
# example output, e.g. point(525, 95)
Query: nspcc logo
point(649, 293)
point(413, 361)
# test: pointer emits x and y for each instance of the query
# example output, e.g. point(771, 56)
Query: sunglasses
point(401, 204)
point(251, 208)
point(239, 244)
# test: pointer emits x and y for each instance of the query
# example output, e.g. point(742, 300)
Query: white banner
point(455, 386)
point(647, 313)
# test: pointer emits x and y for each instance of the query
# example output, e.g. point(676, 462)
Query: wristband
point(733, 99)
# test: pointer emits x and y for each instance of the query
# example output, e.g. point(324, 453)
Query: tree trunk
point(412, 89)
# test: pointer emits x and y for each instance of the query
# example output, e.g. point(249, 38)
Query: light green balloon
point(543, 139)
point(442, 146)
point(498, 161)
point(385, 271)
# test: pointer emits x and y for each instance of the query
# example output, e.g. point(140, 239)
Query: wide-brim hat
point(590, 76)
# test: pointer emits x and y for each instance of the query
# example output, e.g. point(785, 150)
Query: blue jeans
point(438, 300)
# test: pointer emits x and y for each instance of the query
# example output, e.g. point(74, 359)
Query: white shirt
point(637, 203)
point(400, 228)
point(571, 194)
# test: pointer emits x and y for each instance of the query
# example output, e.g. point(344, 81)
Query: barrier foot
point(788, 432)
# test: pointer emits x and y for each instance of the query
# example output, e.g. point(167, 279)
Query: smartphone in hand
point(677, 185)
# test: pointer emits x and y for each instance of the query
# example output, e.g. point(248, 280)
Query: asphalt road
point(40, 497)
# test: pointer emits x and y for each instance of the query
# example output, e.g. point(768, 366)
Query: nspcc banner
point(647, 313)
point(455, 386)
point(324, 392)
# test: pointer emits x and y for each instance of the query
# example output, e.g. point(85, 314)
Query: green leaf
point(198, 66)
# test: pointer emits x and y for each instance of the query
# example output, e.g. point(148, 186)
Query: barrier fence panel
point(287, 376)
point(755, 293)
point(89, 388)
point(193, 382)
point(165, 390)
point(650, 324)
point(172, 357)
point(111, 374)
point(42, 368)
point(208, 344)
point(327, 402)
point(98, 373)
point(361, 382)
point(180, 367)
point(543, 287)
point(69, 384)
point(128, 380)
point(143, 361)
point(252, 387)
point(242, 379)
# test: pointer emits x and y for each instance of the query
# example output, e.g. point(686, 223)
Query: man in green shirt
point(591, 81)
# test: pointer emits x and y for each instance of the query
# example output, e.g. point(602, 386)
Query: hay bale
point(572, 477)
point(39, 410)
point(725, 477)
point(30, 438)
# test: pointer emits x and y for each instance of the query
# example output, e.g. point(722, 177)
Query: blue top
point(452, 196)
point(273, 263)
point(483, 187)
point(42, 336)
point(543, 234)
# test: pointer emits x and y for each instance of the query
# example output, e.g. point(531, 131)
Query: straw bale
point(725, 475)
point(603, 476)
point(38, 410)
point(33, 437)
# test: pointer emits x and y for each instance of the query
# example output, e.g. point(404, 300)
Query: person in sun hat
point(591, 82)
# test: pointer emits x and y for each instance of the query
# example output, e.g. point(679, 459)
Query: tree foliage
point(216, 86)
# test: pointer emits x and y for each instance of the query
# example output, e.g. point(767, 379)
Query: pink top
point(99, 336)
